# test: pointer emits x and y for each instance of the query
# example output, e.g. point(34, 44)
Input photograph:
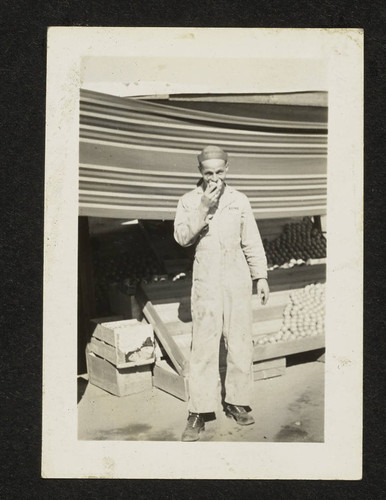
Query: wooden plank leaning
point(173, 350)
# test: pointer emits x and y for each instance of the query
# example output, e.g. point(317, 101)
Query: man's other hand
point(262, 290)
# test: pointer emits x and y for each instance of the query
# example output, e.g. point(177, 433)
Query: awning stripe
point(106, 133)
point(188, 187)
point(144, 107)
point(92, 139)
point(183, 129)
point(273, 177)
point(85, 192)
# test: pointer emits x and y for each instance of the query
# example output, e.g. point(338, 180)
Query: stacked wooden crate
point(119, 356)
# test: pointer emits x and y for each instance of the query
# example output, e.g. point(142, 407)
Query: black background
point(22, 122)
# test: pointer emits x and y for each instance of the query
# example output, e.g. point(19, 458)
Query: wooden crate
point(114, 340)
point(168, 380)
point(269, 369)
point(120, 382)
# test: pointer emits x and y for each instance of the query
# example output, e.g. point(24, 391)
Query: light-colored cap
point(212, 152)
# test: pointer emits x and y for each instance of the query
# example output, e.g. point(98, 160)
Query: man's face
point(213, 171)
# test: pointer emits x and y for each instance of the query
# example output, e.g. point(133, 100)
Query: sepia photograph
point(151, 227)
point(197, 243)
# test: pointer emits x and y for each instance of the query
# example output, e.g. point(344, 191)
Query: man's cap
point(211, 152)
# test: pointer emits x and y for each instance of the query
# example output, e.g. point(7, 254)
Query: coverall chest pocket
point(230, 224)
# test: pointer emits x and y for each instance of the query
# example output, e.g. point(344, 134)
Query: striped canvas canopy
point(138, 157)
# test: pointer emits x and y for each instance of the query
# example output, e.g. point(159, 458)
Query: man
point(229, 255)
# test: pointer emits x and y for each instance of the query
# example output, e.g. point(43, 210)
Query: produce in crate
point(303, 316)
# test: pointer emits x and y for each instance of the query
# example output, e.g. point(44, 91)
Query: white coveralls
point(229, 254)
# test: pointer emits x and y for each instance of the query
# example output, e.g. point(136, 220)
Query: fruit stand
point(141, 272)
point(138, 270)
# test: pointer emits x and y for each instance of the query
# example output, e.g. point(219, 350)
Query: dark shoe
point(239, 413)
point(195, 425)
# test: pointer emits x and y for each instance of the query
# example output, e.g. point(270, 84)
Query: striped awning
point(137, 158)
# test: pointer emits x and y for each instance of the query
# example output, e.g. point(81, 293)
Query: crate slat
point(269, 369)
point(168, 380)
point(110, 353)
point(120, 382)
point(277, 349)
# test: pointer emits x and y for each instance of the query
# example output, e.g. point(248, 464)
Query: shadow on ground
point(135, 432)
point(82, 386)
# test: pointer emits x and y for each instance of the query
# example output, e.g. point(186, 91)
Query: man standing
point(229, 255)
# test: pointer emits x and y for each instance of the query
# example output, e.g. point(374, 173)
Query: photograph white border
point(340, 456)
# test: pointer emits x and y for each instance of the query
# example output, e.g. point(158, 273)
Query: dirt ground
point(289, 408)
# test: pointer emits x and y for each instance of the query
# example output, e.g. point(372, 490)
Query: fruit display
point(143, 252)
point(298, 244)
point(303, 316)
point(122, 257)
